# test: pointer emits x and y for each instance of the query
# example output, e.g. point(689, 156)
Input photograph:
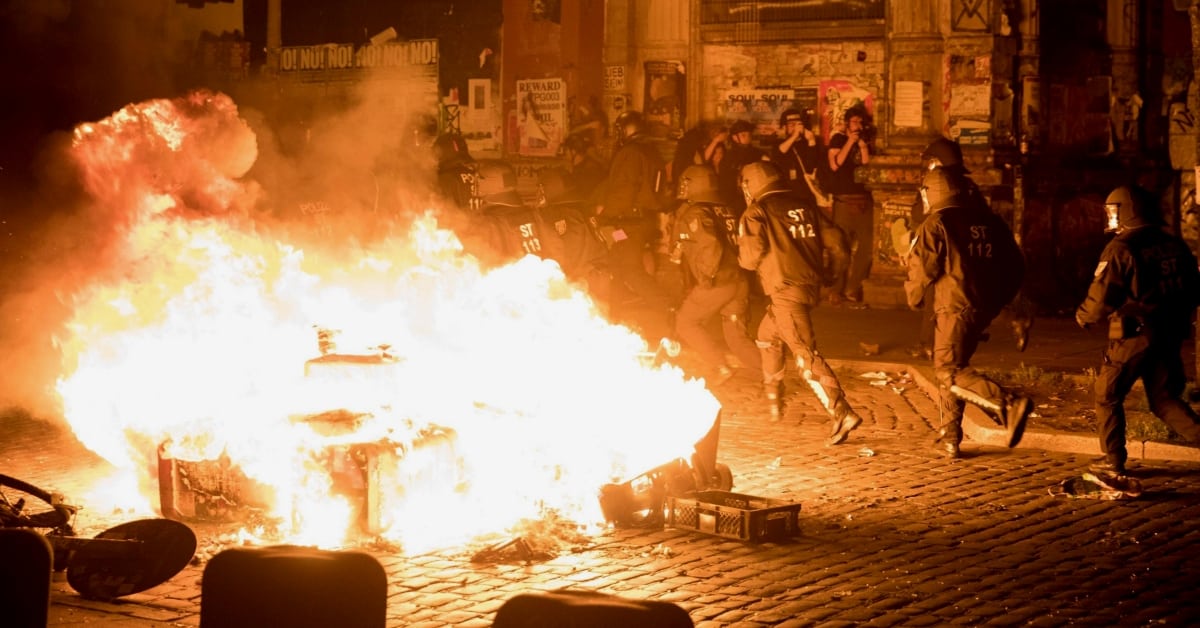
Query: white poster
point(541, 116)
point(910, 97)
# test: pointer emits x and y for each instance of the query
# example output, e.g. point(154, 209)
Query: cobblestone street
point(889, 535)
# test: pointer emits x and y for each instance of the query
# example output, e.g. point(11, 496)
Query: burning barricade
point(459, 400)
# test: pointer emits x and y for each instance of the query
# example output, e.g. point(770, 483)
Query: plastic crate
point(734, 515)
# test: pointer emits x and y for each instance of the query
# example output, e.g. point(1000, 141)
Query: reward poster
point(541, 116)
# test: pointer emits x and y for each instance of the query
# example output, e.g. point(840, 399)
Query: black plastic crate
point(734, 515)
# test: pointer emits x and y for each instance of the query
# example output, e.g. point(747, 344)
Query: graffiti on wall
point(970, 15)
point(835, 98)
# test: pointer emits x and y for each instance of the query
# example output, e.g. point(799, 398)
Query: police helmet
point(496, 184)
point(554, 187)
point(1128, 208)
point(698, 184)
point(760, 178)
point(943, 153)
point(451, 148)
point(629, 124)
point(941, 189)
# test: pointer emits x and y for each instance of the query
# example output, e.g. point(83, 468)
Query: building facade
point(1054, 102)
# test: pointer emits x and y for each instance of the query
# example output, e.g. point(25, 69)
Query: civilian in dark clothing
point(741, 151)
point(796, 155)
point(1146, 288)
point(696, 147)
point(853, 207)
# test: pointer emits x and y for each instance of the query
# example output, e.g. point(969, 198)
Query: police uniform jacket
point(708, 235)
point(582, 250)
point(634, 180)
point(785, 240)
point(1147, 277)
point(969, 255)
point(520, 231)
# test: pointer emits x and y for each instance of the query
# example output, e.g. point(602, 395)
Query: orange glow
point(203, 336)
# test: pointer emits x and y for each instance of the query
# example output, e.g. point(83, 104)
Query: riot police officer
point(513, 229)
point(629, 216)
point(455, 169)
point(705, 243)
point(785, 240)
point(946, 155)
point(969, 257)
point(1146, 287)
point(579, 249)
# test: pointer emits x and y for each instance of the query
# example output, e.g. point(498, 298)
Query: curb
point(979, 427)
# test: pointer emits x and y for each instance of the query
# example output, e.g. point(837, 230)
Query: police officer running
point(785, 241)
point(706, 245)
point(1147, 286)
point(629, 214)
point(969, 257)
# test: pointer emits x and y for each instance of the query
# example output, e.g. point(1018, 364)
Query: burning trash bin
point(640, 500)
point(217, 490)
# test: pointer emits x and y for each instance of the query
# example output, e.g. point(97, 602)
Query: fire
point(473, 397)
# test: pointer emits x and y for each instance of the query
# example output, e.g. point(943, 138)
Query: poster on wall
point(761, 107)
point(909, 107)
point(665, 98)
point(541, 116)
point(836, 97)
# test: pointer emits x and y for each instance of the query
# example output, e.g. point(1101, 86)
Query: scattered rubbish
point(874, 375)
point(1106, 486)
point(899, 390)
point(866, 452)
point(775, 463)
point(660, 550)
point(879, 382)
point(869, 348)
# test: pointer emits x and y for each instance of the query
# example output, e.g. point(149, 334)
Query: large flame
point(204, 341)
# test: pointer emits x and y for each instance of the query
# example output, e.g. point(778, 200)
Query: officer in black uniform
point(785, 240)
point(513, 228)
point(455, 169)
point(1147, 288)
point(563, 209)
point(629, 216)
point(970, 258)
point(706, 245)
point(946, 154)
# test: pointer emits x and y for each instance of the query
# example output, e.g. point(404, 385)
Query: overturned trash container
point(640, 500)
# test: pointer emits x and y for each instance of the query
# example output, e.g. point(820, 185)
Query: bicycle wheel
point(23, 505)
